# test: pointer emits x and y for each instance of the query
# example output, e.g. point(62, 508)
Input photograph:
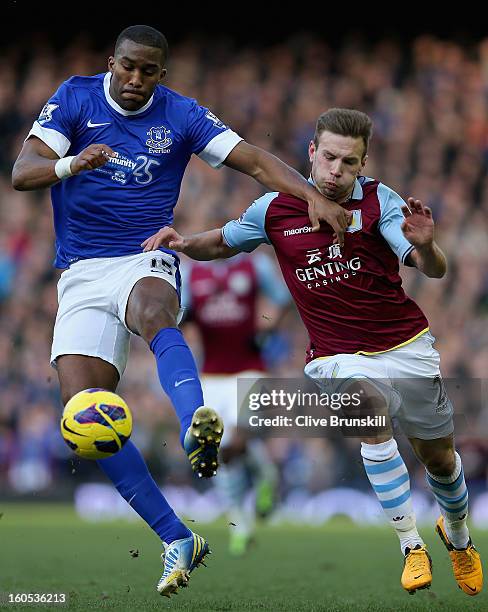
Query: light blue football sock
point(389, 478)
point(452, 496)
point(129, 473)
point(178, 374)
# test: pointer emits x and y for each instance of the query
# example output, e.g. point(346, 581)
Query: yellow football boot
point(466, 562)
point(417, 571)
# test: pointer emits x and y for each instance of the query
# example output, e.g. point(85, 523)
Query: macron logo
point(306, 229)
point(92, 125)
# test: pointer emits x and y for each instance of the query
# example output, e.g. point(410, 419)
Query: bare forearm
point(207, 246)
point(29, 174)
point(278, 176)
point(430, 260)
point(272, 173)
point(275, 175)
point(36, 163)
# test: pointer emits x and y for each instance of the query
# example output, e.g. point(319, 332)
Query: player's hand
point(167, 237)
point(94, 156)
point(322, 209)
point(418, 226)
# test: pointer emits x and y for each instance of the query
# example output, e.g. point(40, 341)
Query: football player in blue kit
point(114, 148)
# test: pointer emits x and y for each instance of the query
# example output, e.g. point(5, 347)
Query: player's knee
point(153, 317)
point(441, 463)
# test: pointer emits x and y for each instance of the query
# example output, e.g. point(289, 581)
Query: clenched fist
point(94, 156)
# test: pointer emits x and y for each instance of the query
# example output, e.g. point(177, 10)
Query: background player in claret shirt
point(114, 148)
point(222, 300)
point(362, 326)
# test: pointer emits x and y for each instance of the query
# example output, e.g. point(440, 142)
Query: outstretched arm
point(275, 175)
point(35, 166)
point(203, 247)
point(418, 229)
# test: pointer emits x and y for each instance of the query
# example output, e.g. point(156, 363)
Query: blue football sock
point(178, 374)
point(128, 471)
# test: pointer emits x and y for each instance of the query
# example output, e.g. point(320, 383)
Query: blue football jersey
point(110, 211)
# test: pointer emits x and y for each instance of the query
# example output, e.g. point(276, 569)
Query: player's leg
point(246, 466)
point(426, 417)
point(183, 550)
point(151, 312)
point(264, 473)
point(233, 485)
point(126, 469)
point(90, 349)
point(386, 471)
point(265, 477)
point(232, 482)
point(445, 477)
point(383, 464)
point(390, 480)
point(392, 486)
point(78, 372)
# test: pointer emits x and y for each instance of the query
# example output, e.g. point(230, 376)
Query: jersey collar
point(357, 192)
point(113, 103)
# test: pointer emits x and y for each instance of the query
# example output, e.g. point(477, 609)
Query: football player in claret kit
point(363, 327)
point(222, 299)
point(113, 148)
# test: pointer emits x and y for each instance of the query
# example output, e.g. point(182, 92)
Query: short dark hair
point(345, 122)
point(144, 35)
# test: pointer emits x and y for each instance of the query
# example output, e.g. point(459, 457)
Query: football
point(96, 423)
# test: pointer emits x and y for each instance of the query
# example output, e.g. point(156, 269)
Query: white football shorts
point(220, 393)
point(92, 303)
point(416, 395)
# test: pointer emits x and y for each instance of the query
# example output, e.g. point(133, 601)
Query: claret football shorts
point(408, 378)
point(92, 302)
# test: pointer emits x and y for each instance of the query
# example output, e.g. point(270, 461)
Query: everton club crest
point(159, 140)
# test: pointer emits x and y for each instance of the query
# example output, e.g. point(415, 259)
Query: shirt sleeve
point(210, 139)
point(54, 126)
point(391, 220)
point(271, 283)
point(248, 232)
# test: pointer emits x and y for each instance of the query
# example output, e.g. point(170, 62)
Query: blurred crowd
point(429, 103)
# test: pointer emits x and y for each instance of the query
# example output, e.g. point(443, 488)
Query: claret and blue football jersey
point(350, 298)
point(110, 211)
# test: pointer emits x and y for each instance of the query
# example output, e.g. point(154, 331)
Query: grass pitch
point(337, 567)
